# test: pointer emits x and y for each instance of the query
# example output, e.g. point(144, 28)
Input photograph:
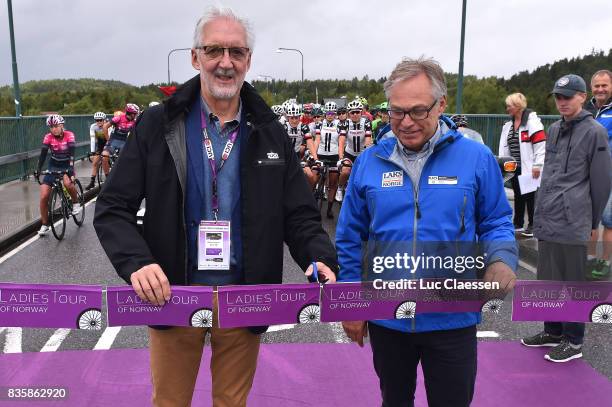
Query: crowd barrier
point(80, 307)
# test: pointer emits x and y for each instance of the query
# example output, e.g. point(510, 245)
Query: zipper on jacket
point(569, 150)
point(462, 230)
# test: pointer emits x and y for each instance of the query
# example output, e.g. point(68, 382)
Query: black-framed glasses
point(215, 51)
point(418, 113)
point(99, 120)
point(355, 112)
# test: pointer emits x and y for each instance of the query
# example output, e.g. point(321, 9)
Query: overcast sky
point(130, 40)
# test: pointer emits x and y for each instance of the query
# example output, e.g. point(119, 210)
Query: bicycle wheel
point(78, 219)
point(100, 178)
point(57, 210)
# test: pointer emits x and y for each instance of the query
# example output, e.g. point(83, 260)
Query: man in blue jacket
point(428, 184)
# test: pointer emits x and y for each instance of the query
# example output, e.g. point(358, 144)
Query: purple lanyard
point(211, 159)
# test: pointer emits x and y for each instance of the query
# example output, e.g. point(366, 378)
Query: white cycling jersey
point(298, 135)
point(329, 134)
point(356, 134)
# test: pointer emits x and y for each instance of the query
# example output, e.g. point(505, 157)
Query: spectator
point(575, 187)
point(523, 138)
point(601, 108)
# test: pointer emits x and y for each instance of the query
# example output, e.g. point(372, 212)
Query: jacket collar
point(525, 117)
point(448, 137)
point(605, 106)
point(256, 109)
point(581, 116)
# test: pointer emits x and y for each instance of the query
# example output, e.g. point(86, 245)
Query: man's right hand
point(356, 330)
point(151, 284)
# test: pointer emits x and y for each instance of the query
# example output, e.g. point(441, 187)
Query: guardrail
point(20, 138)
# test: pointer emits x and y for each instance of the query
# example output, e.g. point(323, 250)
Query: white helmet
point(355, 105)
point(99, 116)
point(54, 120)
point(153, 103)
point(278, 110)
point(294, 110)
point(331, 107)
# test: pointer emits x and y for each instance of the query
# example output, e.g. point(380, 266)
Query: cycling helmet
point(132, 108)
point(153, 103)
point(317, 106)
point(384, 107)
point(342, 110)
point(99, 116)
point(54, 120)
point(278, 110)
point(308, 107)
point(294, 110)
point(330, 107)
point(355, 105)
point(460, 120)
point(117, 113)
point(317, 111)
point(364, 101)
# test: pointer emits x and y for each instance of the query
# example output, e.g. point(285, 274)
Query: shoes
point(76, 210)
point(600, 269)
point(339, 194)
point(528, 232)
point(564, 352)
point(44, 229)
point(542, 339)
point(518, 229)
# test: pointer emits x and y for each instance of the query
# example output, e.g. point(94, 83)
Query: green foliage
point(480, 95)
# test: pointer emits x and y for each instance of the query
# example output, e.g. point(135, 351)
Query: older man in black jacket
point(213, 151)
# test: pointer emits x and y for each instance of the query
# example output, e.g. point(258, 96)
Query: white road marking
point(108, 337)
point(527, 266)
point(55, 340)
point(274, 328)
point(487, 334)
point(30, 241)
point(12, 343)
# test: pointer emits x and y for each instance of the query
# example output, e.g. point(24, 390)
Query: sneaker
point(542, 339)
point(528, 232)
point(518, 229)
point(339, 194)
point(601, 269)
point(44, 229)
point(564, 352)
point(76, 210)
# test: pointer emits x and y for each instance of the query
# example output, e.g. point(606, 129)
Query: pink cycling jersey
point(60, 146)
point(122, 127)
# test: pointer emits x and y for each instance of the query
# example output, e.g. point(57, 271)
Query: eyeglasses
point(215, 52)
point(294, 117)
point(99, 120)
point(418, 113)
point(355, 112)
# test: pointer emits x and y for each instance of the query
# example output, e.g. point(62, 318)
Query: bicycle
point(60, 203)
point(320, 187)
point(100, 177)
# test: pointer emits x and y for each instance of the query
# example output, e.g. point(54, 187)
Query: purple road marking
point(290, 375)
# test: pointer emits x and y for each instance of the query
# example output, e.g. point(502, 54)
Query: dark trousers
point(448, 359)
point(562, 262)
point(519, 204)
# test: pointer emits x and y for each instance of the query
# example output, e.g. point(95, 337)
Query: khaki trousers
point(175, 361)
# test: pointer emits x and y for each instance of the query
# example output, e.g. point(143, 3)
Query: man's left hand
point(535, 173)
point(326, 275)
point(501, 273)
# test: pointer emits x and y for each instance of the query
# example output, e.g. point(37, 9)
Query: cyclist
point(366, 108)
point(301, 139)
point(382, 120)
point(342, 115)
point(62, 145)
point(122, 124)
point(317, 117)
point(96, 135)
point(462, 126)
point(279, 112)
point(357, 133)
point(307, 115)
point(326, 148)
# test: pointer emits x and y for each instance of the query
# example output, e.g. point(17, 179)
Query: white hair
point(214, 13)
point(409, 68)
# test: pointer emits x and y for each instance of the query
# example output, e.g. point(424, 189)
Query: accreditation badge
point(214, 245)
